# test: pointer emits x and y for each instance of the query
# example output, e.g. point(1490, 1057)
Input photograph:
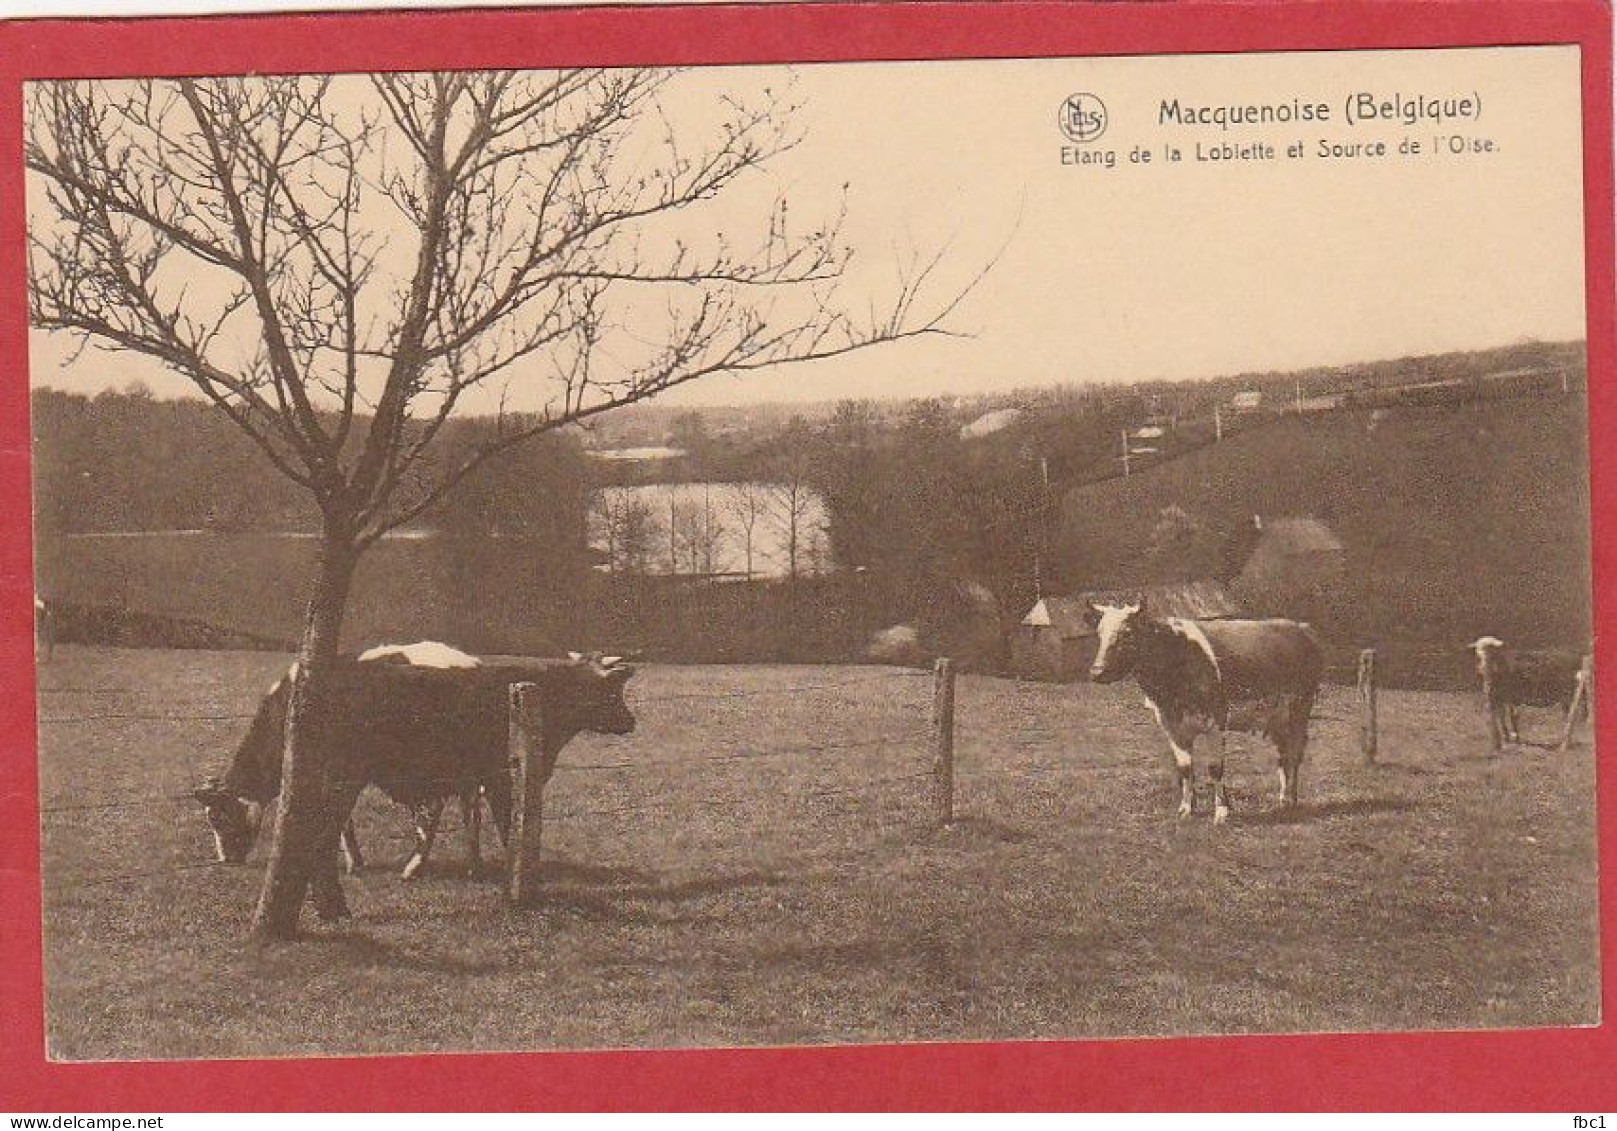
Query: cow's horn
point(611, 661)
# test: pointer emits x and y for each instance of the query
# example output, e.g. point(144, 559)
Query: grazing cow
point(1210, 677)
point(1513, 678)
point(419, 732)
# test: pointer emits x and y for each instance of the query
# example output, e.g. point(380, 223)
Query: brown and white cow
point(1513, 678)
point(1210, 677)
point(422, 723)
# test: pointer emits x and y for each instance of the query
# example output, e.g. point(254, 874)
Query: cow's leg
point(1291, 764)
point(1185, 764)
point(1512, 724)
point(1215, 770)
point(325, 889)
point(1291, 768)
point(353, 858)
point(426, 832)
point(471, 807)
point(1293, 741)
point(498, 793)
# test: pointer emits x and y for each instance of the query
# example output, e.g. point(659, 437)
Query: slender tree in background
point(636, 533)
point(748, 501)
point(339, 264)
point(700, 534)
point(793, 498)
point(620, 521)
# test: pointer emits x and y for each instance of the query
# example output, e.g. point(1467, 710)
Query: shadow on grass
point(698, 888)
point(1324, 810)
point(604, 909)
point(362, 950)
point(1503, 755)
point(1410, 768)
point(435, 870)
point(636, 883)
point(626, 895)
point(559, 870)
point(1549, 747)
point(496, 870)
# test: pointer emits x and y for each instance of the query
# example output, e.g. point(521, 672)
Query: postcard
point(812, 528)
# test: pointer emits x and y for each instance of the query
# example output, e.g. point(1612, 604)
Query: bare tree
point(700, 533)
point(748, 501)
point(792, 505)
point(673, 531)
point(686, 536)
point(635, 534)
point(620, 521)
point(606, 523)
point(340, 264)
point(793, 500)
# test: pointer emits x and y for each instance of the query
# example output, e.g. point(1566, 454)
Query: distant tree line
point(911, 506)
point(127, 461)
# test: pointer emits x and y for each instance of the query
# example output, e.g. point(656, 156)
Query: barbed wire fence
point(925, 767)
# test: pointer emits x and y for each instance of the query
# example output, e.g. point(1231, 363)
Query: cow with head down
point(1210, 677)
point(422, 722)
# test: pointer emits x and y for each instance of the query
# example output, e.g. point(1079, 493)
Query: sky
point(1166, 270)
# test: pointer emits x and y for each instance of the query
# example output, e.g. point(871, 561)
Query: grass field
point(756, 865)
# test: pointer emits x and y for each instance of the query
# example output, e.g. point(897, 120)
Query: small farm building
point(1293, 564)
point(1055, 641)
point(990, 422)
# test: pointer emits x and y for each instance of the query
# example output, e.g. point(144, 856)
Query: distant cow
point(419, 732)
point(900, 644)
point(1513, 678)
point(1210, 677)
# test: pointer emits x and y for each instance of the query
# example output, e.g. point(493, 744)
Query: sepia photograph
point(953, 550)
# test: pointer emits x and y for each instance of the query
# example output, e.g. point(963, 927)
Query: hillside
point(1457, 520)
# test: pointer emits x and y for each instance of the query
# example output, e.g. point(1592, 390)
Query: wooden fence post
point(943, 739)
point(1367, 703)
point(526, 748)
point(1496, 735)
point(1580, 699)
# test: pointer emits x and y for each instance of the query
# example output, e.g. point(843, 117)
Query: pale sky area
point(1159, 271)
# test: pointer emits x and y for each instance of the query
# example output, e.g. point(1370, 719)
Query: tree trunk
point(306, 830)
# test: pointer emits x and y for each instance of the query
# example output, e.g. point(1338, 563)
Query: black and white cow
point(1513, 678)
point(1210, 677)
point(422, 723)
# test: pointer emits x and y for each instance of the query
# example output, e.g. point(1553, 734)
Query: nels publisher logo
point(1082, 117)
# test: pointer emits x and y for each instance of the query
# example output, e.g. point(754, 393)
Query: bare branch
point(245, 233)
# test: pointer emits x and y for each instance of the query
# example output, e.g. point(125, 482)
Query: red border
point(1552, 1069)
